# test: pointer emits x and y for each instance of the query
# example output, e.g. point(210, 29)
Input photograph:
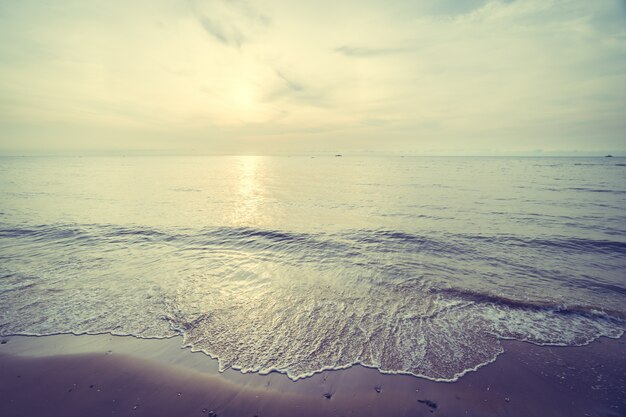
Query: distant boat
point(338, 154)
point(609, 156)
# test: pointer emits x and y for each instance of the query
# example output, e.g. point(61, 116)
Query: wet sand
point(123, 376)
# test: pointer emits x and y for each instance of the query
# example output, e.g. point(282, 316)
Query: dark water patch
point(270, 235)
point(45, 233)
point(350, 243)
point(591, 312)
point(262, 240)
point(597, 190)
point(15, 232)
point(390, 241)
point(18, 288)
point(132, 231)
point(591, 282)
point(580, 245)
point(110, 234)
point(555, 243)
point(81, 234)
point(241, 236)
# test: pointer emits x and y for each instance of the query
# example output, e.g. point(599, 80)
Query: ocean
point(414, 265)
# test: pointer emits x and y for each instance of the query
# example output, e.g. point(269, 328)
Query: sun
point(243, 96)
point(245, 103)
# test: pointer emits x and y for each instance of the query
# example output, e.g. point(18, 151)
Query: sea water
point(299, 264)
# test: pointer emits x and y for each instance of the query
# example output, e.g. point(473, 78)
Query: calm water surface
point(411, 265)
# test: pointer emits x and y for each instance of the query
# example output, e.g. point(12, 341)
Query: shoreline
point(97, 341)
point(132, 376)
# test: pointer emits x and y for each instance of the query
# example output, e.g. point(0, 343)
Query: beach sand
point(104, 375)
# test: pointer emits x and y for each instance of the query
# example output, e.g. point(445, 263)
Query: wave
point(377, 239)
point(587, 311)
point(432, 304)
point(452, 333)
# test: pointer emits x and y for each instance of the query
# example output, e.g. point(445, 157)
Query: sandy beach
point(275, 208)
point(105, 375)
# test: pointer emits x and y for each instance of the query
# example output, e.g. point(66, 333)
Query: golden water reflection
point(249, 189)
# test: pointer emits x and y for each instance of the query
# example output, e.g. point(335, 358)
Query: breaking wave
point(260, 300)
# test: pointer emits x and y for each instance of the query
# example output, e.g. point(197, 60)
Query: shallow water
point(297, 264)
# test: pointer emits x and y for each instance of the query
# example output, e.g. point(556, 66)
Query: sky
point(296, 77)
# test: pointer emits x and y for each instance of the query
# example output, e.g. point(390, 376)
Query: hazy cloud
point(451, 7)
point(387, 76)
point(227, 35)
point(355, 51)
point(292, 85)
point(291, 91)
point(228, 20)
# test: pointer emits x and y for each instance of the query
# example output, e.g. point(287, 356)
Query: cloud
point(226, 34)
point(355, 51)
point(289, 91)
point(228, 21)
point(486, 74)
point(292, 85)
point(452, 7)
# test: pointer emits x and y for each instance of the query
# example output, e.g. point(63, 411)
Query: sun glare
point(249, 190)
